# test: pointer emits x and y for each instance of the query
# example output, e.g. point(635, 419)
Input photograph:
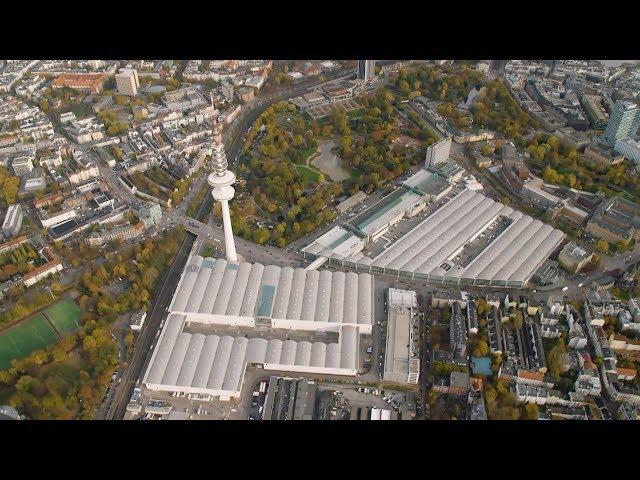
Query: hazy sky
point(615, 63)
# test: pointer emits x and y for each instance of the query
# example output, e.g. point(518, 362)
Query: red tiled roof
point(12, 243)
point(531, 375)
point(626, 372)
point(40, 269)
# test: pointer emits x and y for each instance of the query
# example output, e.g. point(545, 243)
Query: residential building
point(184, 99)
point(626, 374)
point(118, 234)
point(83, 82)
point(457, 332)
point(245, 94)
point(483, 162)
point(81, 173)
point(67, 117)
point(577, 335)
point(459, 383)
point(22, 165)
point(12, 244)
point(602, 154)
point(48, 220)
point(623, 122)
point(127, 82)
point(472, 317)
point(148, 213)
point(627, 412)
point(86, 130)
point(592, 105)
point(614, 220)
point(494, 331)
point(227, 91)
point(576, 139)
point(53, 265)
point(629, 148)
point(33, 182)
point(574, 258)
point(12, 221)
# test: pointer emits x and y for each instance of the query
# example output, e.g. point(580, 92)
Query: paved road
point(147, 335)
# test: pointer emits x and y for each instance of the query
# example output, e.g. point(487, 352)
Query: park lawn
point(621, 294)
point(357, 113)
point(309, 175)
point(33, 334)
point(64, 315)
point(308, 152)
point(145, 185)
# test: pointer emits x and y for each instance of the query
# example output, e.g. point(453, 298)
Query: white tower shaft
point(229, 244)
point(221, 180)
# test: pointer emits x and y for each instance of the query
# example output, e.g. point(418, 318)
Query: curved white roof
point(214, 287)
point(190, 362)
point(218, 287)
point(513, 256)
point(211, 362)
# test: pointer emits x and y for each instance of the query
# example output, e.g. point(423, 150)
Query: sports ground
point(34, 334)
point(38, 331)
point(64, 315)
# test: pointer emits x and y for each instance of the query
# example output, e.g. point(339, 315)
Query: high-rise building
point(127, 82)
point(623, 122)
point(366, 69)
point(221, 180)
point(438, 152)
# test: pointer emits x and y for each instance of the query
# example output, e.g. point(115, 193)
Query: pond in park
point(329, 163)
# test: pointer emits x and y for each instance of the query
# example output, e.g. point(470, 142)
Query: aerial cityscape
point(319, 240)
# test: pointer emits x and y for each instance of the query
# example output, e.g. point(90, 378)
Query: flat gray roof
point(381, 213)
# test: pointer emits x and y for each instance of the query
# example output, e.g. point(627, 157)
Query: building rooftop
point(513, 256)
point(376, 217)
point(215, 287)
point(426, 183)
point(337, 242)
point(216, 364)
point(201, 348)
point(400, 351)
point(575, 252)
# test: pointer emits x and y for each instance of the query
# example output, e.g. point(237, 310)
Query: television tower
point(221, 180)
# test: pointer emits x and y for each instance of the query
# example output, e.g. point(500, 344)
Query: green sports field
point(64, 315)
point(34, 334)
